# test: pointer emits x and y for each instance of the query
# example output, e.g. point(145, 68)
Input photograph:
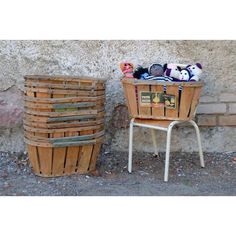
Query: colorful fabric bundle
point(167, 73)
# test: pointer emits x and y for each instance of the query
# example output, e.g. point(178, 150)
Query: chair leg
point(199, 143)
point(130, 145)
point(154, 141)
point(168, 139)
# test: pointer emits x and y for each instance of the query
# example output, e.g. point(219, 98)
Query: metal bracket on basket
point(76, 138)
point(68, 141)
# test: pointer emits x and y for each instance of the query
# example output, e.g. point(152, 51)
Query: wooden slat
point(73, 137)
point(185, 102)
point(76, 105)
point(48, 110)
point(125, 89)
point(33, 118)
point(33, 157)
point(30, 94)
point(47, 131)
point(60, 119)
point(153, 82)
point(93, 161)
point(61, 99)
point(85, 157)
point(81, 117)
point(157, 111)
point(65, 108)
point(38, 144)
point(60, 105)
point(63, 124)
point(61, 114)
point(158, 117)
point(74, 143)
point(62, 85)
point(65, 92)
point(31, 133)
point(143, 110)
point(64, 78)
point(59, 155)
point(66, 140)
point(71, 157)
point(40, 134)
point(170, 90)
point(63, 144)
point(132, 102)
point(45, 158)
point(195, 101)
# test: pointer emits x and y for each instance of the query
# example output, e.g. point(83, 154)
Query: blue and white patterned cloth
point(160, 78)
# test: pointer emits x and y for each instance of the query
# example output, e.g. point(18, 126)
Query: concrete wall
point(216, 113)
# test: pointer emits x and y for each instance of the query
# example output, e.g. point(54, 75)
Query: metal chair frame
point(168, 142)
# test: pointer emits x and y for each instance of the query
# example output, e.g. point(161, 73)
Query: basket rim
point(153, 82)
point(64, 77)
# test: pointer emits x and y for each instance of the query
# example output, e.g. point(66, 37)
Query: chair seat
point(160, 123)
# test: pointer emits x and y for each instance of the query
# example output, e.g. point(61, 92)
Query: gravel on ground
point(186, 177)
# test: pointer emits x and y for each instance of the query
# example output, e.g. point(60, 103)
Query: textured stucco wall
point(101, 59)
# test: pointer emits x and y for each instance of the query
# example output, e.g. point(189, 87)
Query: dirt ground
point(186, 178)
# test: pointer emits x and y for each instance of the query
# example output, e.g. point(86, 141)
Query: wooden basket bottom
point(60, 161)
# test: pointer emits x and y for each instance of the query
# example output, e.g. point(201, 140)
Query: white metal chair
point(163, 125)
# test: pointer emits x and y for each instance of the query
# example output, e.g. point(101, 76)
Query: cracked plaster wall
point(101, 59)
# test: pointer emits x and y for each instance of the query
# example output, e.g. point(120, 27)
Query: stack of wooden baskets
point(63, 123)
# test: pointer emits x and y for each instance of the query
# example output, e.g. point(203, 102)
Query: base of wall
point(12, 140)
point(216, 139)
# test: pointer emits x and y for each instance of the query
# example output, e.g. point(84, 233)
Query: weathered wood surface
point(63, 99)
point(63, 123)
point(186, 96)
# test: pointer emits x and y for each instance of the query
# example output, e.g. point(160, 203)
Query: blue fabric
point(144, 76)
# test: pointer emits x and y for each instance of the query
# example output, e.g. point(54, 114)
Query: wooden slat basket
point(63, 123)
point(162, 100)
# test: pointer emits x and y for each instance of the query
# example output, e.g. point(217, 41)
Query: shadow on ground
point(186, 177)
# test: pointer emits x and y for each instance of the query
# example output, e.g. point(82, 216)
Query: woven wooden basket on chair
point(162, 100)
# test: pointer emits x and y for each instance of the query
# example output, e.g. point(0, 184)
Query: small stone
point(155, 155)
point(143, 173)
point(228, 153)
point(95, 173)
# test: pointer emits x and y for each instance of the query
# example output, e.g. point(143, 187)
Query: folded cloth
point(165, 79)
